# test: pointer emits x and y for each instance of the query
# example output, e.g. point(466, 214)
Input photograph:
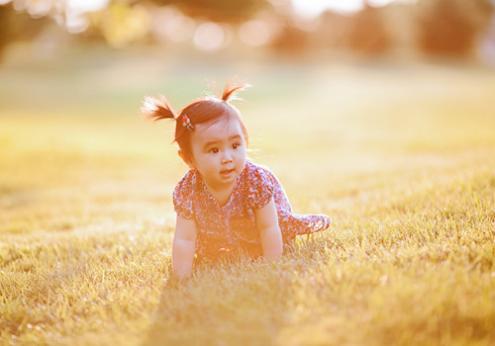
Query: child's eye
point(236, 145)
point(213, 150)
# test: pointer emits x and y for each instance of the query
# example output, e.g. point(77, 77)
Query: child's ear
point(185, 159)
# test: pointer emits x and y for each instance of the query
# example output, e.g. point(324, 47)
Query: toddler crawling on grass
point(227, 205)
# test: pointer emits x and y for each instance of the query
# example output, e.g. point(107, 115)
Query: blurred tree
point(17, 26)
point(291, 41)
point(120, 24)
point(451, 27)
point(368, 34)
point(334, 30)
point(122, 21)
point(5, 34)
point(223, 11)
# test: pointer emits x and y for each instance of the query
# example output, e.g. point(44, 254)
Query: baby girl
point(226, 204)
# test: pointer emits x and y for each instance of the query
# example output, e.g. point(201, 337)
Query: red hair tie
point(186, 122)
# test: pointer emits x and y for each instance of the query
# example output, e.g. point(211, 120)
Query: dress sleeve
point(182, 197)
point(260, 188)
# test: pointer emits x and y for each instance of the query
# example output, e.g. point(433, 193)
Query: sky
point(312, 8)
point(306, 8)
point(309, 8)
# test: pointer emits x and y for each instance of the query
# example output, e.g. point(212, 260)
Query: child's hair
point(200, 111)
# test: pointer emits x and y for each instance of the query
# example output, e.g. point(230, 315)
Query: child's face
point(219, 151)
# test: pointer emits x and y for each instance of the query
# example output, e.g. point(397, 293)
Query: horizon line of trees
point(439, 27)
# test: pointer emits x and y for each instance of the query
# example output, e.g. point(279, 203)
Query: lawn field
point(401, 158)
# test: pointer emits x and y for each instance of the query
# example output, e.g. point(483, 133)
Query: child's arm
point(184, 246)
point(271, 236)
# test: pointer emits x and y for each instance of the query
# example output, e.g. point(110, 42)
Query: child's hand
point(175, 282)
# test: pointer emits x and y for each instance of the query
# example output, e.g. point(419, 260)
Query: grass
point(401, 159)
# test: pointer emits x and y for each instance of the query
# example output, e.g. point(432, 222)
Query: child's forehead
point(218, 130)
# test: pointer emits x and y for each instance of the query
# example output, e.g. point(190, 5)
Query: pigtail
point(157, 108)
point(231, 89)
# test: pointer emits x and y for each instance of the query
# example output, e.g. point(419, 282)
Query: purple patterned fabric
point(231, 228)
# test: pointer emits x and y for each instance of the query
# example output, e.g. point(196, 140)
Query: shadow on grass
point(246, 302)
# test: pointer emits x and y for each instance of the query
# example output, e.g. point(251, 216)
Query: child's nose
point(227, 156)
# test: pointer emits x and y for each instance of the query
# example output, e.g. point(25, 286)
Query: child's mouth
point(227, 172)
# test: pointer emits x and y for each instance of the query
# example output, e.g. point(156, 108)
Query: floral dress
point(224, 231)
